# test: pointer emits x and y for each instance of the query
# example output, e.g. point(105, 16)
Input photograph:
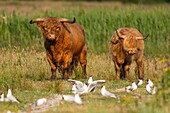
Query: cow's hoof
point(122, 78)
point(141, 78)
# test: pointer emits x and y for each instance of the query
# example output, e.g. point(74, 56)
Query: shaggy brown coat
point(127, 45)
point(65, 43)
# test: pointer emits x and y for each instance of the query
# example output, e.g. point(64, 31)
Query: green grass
point(27, 73)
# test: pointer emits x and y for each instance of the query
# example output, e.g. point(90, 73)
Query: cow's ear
point(40, 24)
point(114, 39)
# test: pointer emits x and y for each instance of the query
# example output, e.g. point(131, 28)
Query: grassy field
point(24, 68)
point(27, 73)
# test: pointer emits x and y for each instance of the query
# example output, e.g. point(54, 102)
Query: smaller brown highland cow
point(126, 45)
point(65, 44)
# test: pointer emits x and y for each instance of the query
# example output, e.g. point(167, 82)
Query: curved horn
point(142, 38)
point(119, 35)
point(36, 20)
point(67, 20)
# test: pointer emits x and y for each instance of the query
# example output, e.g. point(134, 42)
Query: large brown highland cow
point(126, 45)
point(65, 43)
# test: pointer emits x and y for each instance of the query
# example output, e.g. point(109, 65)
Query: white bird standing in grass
point(2, 97)
point(41, 101)
point(134, 86)
point(106, 93)
point(90, 80)
point(150, 83)
point(11, 97)
point(150, 88)
point(140, 82)
point(131, 88)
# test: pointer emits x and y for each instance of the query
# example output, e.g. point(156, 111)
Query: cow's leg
point(53, 76)
point(53, 67)
point(66, 67)
point(83, 61)
point(71, 68)
point(67, 63)
point(66, 70)
point(126, 66)
point(117, 69)
point(139, 63)
point(74, 65)
point(126, 70)
point(122, 73)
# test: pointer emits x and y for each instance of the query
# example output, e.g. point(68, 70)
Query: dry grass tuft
point(27, 73)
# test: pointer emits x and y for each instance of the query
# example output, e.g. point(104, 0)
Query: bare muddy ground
point(51, 102)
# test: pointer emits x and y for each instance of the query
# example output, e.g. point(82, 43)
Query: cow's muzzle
point(51, 36)
point(131, 52)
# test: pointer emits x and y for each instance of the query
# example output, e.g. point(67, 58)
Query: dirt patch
point(51, 102)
